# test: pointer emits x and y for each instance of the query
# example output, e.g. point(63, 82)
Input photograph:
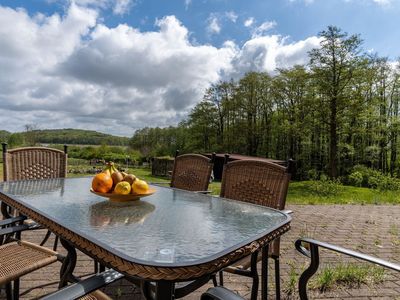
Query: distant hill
point(71, 136)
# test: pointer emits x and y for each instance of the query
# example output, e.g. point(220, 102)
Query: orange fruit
point(102, 183)
point(139, 186)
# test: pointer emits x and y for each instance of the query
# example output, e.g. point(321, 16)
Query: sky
point(116, 66)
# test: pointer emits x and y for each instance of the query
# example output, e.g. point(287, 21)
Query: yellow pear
point(139, 186)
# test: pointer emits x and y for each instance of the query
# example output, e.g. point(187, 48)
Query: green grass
point(302, 193)
point(350, 275)
point(290, 284)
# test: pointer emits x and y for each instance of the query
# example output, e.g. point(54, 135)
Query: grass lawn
point(299, 192)
point(302, 193)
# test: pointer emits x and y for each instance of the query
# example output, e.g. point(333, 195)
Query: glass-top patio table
point(170, 236)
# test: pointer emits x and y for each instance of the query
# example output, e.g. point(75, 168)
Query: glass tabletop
point(169, 228)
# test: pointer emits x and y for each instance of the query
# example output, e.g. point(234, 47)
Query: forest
point(333, 115)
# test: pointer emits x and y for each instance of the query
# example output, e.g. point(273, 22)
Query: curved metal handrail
point(312, 252)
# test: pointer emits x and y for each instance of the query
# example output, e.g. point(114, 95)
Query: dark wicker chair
point(309, 248)
point(262, 183)
point(191, 172)
point(33, 163)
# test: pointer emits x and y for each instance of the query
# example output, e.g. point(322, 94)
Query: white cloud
point(249, 22)
point(232, 16)
point(383, 2)
point(122, 7)
point(213, 26)
point(263, 28)
point(118, 7)
point(267, 53)
point(71, 71)
point(187, 4)
point(108, 79)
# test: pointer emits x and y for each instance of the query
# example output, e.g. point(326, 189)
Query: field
point(299, 192)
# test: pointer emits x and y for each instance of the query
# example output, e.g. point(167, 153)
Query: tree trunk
point(333, 139)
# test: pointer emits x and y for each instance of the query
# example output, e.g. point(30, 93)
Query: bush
point(373, 179)
point(356, 178)
point(326, 187)
point(312, 174)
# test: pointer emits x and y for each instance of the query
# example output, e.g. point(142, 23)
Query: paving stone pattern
point(371, 229)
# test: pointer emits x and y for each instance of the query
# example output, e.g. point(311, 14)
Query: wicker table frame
point(163, 275)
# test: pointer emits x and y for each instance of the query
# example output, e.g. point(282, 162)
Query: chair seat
point(20, 258)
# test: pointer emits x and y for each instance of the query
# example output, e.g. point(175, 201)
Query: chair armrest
point(220, 293)
point(85, 286)
point(13, 220)
point(303, 250)
point(309, 248)
point(287, 211)
point(14, 229)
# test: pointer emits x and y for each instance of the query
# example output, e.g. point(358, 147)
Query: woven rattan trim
point(96, 295)
point(20, 258)
point(146, 272)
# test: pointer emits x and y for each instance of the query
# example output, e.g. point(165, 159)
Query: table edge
point(153, 272)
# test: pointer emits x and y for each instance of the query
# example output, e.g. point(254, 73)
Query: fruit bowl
point(123, 198)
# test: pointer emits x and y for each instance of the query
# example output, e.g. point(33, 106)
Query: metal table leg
point(165, 290)
point(264, 273)
point(68, 265)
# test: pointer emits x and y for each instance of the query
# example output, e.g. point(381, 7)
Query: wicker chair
point(191, 172)
point(262, 183)
point(33, 163)
point(18, 258)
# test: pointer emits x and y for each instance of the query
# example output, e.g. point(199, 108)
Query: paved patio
point(372, 229)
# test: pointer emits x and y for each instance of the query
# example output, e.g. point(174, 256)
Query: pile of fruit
point(113, 181)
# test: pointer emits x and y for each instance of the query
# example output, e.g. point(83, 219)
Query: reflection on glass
point(109, 213)
point(35, 187)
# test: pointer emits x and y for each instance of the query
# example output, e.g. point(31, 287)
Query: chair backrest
point(34, 163)
point(191, 172)
point(255, 181)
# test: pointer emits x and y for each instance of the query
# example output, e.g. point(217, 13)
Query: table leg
point(68, 265)
point(264, 273)
point(6, 210)
point(165, 290)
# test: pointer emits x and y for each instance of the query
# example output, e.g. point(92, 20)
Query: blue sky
point(118, 65)
point(376, 21)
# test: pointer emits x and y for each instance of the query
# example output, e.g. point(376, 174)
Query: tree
point(333, 65)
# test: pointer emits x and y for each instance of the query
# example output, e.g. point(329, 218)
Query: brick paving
point(372, 229)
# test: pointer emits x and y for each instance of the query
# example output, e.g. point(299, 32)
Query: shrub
point(312, 174)
point(326, 187)
point(373, 179)
point(356, 178)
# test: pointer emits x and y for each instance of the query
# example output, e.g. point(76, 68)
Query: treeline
point(338, 111)
point(32, 136)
